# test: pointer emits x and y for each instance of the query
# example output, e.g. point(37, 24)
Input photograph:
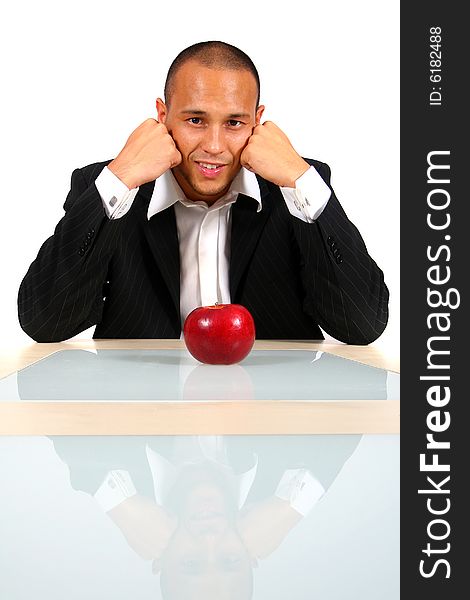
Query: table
point(246, 415)
point(227, 482)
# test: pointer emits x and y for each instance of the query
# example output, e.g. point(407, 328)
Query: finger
point(244, 158)
point(246, 164)
point(161, 127)
point(177, 159)
point(150, 122)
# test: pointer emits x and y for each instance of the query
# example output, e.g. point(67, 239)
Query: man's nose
point(213, 142)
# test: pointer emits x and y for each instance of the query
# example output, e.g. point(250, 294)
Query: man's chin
point(208, 193)
point(198, 189)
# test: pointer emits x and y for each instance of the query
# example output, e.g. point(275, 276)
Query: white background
point(78, 77)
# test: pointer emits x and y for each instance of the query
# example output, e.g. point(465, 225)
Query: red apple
point(222, 334)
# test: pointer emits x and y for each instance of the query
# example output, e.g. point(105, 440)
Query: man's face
point(206, 557)
point(210, 115)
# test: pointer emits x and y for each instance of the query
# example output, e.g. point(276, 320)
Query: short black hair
point(215, 55)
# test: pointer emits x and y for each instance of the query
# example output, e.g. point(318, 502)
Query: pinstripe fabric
point(123, 275)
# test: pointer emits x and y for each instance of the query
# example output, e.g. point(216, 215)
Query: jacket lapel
point(162, 238)
point(247, 225)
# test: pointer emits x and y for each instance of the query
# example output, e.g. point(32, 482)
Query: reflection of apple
point(206, 383)
point(222, 334)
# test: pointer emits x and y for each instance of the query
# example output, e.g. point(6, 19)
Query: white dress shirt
point(204, 231)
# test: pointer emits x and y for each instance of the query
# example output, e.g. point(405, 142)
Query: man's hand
point(265, 525)
point(270, 154)
point(146, 526)
point(148, 153)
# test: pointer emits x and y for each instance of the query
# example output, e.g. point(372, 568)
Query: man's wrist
point(300, 168)
point(123, 173)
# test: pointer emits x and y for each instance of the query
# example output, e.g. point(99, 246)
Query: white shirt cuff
point(300, 488)
point(116, 487)
point(116, 197)
point(309, 197)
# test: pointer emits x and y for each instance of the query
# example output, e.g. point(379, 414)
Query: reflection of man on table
point(207, 204)
point(205, 509)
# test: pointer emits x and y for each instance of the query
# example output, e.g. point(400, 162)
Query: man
point(207, 204)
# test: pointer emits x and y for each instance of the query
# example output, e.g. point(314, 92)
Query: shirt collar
point(167, 191)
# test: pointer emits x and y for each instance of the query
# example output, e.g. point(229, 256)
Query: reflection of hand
point(264, 526)
point(146, 526)
point(147, 154)
point(270, 154)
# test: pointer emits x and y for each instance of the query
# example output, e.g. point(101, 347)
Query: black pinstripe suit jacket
point(124, 276)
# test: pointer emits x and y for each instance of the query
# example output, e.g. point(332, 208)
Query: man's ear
point(259, 113)
point(161, 110)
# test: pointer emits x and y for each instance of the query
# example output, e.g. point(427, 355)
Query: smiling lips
point(210, 170)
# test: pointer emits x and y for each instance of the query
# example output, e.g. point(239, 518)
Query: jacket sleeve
point(344, 288)
point(62, 292)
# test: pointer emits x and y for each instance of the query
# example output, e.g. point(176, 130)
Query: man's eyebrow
point(203, 112)
point(239, 115)
point(191, 111)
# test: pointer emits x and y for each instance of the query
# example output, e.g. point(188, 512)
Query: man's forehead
point(198, 89)
point(193, 76)
point(203, 113)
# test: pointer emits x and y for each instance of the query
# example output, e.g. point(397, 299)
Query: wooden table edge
point(200, 418)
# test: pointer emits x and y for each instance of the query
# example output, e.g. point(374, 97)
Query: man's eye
point(234, 123)
point(195, 120)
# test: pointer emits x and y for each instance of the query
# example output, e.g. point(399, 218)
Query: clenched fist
point(270, 154)
point(147, 154)
point(146, 526)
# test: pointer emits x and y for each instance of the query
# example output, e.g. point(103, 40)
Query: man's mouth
point(210, 169)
